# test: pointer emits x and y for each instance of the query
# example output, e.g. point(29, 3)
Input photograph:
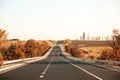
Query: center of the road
point(46, 69)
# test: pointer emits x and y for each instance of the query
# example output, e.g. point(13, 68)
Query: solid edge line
point(7, 69)
point(83, 69)
point(104, 66)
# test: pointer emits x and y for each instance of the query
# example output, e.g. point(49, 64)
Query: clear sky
point(59, 19)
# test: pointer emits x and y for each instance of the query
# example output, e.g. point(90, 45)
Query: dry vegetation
point(95, 52)
point(75, 51)
point(103, 50)
point(115, 53)
point(2, 38)
point(31, 48)
point(16, 49)
point(91, 52)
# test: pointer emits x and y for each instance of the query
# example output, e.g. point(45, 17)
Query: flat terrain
point(95, 49)
point(56, 67)
point(91, 43)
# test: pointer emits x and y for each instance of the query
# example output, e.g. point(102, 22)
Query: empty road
point(57, 67)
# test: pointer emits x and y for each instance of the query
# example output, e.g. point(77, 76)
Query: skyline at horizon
point(57, 20)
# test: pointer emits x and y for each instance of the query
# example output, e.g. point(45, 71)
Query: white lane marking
point(46, 69)
point(41, 76)
point(11, 68)
point(43, 72)
point(83, 69)
point(49, 64)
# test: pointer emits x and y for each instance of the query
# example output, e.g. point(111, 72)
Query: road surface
point(58, 67)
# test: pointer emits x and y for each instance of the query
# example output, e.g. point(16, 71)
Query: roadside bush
point(105, 54)
point(44, 47)
point(1, 57)
point(110, 55)
point(115, 55)
point(32, 48)
point(77, 52)
point(20, 50)
point(3, 51)
point(15, 51)
point(68, 48)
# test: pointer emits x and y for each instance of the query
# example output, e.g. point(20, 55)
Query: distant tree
point(115, 53)
point(3, 34)
point(81, 38)
point(116, 37)
point(98, 38)
point(83, 35)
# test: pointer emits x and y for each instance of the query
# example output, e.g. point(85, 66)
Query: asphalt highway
point(58, 67)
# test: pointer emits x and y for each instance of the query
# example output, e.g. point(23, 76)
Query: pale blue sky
point(59, 19)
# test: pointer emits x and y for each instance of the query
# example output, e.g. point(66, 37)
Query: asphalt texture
point(58, 67)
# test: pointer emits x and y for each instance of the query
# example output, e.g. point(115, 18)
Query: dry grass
point(94, 49)
point(89, 49)
point(94, 52)
point(91, 43)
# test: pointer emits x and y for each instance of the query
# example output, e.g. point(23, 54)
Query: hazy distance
point(59, 19)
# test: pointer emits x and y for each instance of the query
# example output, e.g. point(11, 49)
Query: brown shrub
point(77, 52)
point(105, 54)
point(1, 57)
point(68, 48)
point(15, 51)
point(115, 55)
point(108, 54)
point(20, 49)
point(44, 48)
point(4, 51)
point(3, 34)
point(116, 46)
point(32, 48)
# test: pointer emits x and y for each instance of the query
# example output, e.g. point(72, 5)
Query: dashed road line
point(41, 76)
point(46, 69)
point(43, 73)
